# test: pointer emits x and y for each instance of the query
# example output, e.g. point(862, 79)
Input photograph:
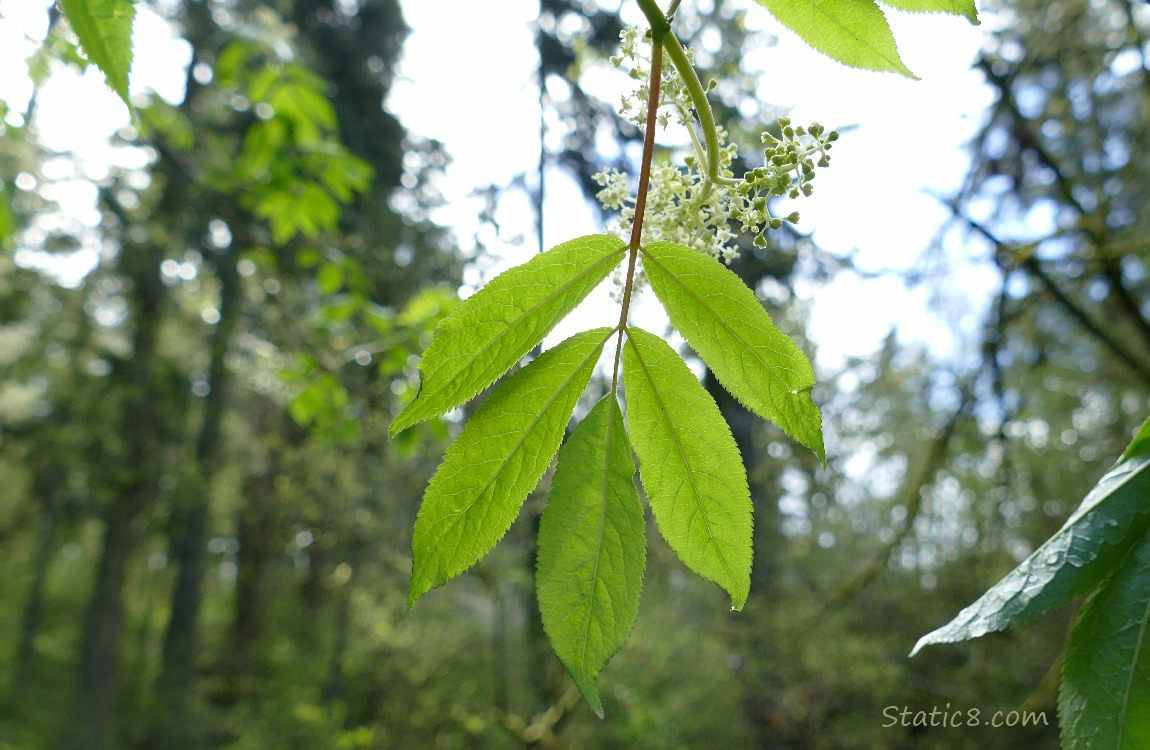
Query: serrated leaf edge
point(400, 423)
point(87, 30)
point(971, 16)
point(736, 605)
point(590, 691)
point(898, 66)
point(819, 449)
point(594, 355)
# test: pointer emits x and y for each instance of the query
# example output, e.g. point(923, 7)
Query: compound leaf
point(485, 335)
point(854, 32)
point(689, 465)
point(964, 8)
point(497, 460)
point(592, 549)
point(1088, 547)
point(1104, 700)
point(726, 324)
point(104, 28)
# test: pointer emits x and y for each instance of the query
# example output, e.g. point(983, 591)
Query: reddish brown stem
point(641, 197)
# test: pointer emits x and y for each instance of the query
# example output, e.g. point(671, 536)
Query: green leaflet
point(104, 28)
point(854, 32)
point(726, 324)
point(963, 8)
point(592, 549)
point(497, 460)
point(689, 465)
point(1104, 700)
point(488, 333)
point(1092, 542)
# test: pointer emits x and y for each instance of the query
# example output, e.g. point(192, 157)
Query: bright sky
point(477, 97)
point(874, 199)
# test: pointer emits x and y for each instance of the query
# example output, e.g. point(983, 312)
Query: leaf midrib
point(599, 542)
point(682, 454)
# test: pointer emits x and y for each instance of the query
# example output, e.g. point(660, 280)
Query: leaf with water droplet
point(1104, 699)
point(1112, 518)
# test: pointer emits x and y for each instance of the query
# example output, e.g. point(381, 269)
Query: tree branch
point(1140, 369)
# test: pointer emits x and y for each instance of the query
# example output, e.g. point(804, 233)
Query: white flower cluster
point(682, 206)
point(685, 206)
point(672, 90)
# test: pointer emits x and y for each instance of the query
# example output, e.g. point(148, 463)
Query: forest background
point(206, 531)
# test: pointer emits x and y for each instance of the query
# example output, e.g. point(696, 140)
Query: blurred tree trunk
point(48, 491)
point(130, 487)
point(259, 535)
point(173, 726)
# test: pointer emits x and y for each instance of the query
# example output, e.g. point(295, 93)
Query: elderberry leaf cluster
point(592, 547)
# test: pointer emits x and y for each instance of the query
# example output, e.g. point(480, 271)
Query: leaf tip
point(739, 595)
point(402, 421)
point(820, 451)
point(415, 590)
point(591, 695)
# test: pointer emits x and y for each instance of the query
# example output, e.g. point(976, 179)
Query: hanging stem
point(661, 32)
point(644, 182)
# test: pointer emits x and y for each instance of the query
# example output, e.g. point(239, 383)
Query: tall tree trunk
point(130, 485)
point(260, 538)
point(34, 604)
point(173, 727)
point(333, 686)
